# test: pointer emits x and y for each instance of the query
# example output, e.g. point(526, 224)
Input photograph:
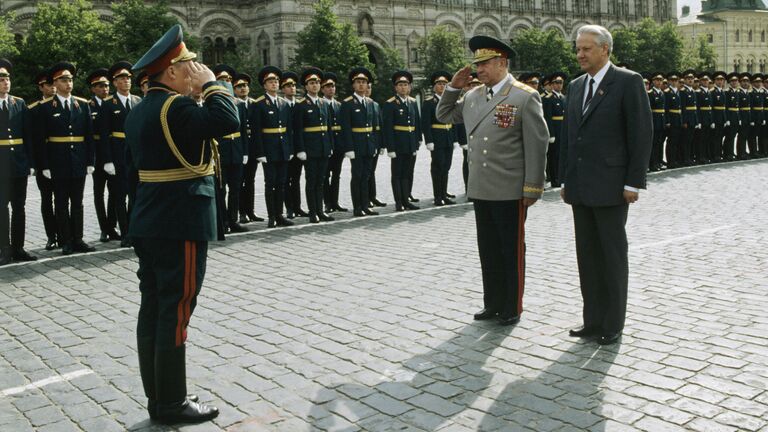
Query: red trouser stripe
point(181, 309)
point(520, 256)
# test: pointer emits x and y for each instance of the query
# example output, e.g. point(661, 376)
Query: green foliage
point(137, 25)
point(243, 61)
point(442, 49)
point(8, 47)
point(330, 45)
point(649, 46)
point(544, 51)
point(390, 61)
point(699, 55)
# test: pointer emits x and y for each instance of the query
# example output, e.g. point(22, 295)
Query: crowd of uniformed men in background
point(699, 118)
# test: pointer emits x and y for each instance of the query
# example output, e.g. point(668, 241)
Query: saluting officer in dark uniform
point(112, 149)
point(44, 184)
point(16, 164)
point(706, 130)
point(718, 117)
point(242, 86)
point(658, 102)
point(273, 136)
point(358, 122)
point(293, 208)
point(174, 217)
point(553, 104)
point(313, 141)
point(67, 135)
point(690, 118)
point(401, 133)
point(440, 139)
point(333, 176)
point(733, 115)
point(98, 82)
point(674, 120)
point(233, 149)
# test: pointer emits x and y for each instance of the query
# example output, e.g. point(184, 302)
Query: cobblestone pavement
point(366, 324)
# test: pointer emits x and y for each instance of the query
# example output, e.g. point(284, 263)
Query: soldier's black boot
point(407, 200)
point(446, 196)
point(437, 187)
point(279, 218)
point(173, 405)
point(323, 216)
point(78, 245)
point(64, 234)
point(269, 197)
point(398, 195)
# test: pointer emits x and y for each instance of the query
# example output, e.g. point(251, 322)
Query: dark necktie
point(589, 94)
point(490, 94)
point(128, 105)
point(66, 105)
point(4, 116)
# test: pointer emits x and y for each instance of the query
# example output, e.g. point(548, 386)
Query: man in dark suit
point(603, 161)
point(174, 217)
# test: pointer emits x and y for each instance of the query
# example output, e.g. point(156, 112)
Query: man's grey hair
point(602, 35)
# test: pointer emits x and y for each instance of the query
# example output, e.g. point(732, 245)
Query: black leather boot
point(173, 405)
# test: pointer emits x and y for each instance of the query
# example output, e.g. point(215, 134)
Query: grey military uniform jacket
point(507, 139)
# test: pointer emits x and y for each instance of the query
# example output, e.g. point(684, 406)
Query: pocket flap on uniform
point(202, 189)
point(615, 161)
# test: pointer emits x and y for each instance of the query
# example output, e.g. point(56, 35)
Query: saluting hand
point(462, 77)
point(199, 75)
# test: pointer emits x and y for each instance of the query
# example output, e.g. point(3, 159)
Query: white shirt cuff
point(451, 89)
point(631, 189)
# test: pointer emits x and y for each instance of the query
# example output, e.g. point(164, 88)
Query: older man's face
point(589, 54)
point(492, 71)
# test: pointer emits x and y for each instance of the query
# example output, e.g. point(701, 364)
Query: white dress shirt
point(123, 100)
point(598, 78)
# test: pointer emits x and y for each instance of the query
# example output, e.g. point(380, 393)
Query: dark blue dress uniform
point(756, 120)
point(67, 134)
point(745, 115)
point(44, 184)
point(358, 122)
point(657, 101)
point(248, 188)
point(733, 115)
point(295, 165)
point(705, 132)
point(442, 136)
point(273, 137)
point(690, 121)
point(336, 161)
point(719, 118)
point(170, 140)
point(105, 215)
point(313, 136)
point(113, 149)
point(762, 120)
point(16, 161)
point(553, 105)
point(402, 133)
point(674, 122)
point(374, 202)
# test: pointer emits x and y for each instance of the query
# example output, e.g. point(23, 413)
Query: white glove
point(431, 146)
point(392, 155)
point(464, 146)
point(455, 144)
point(763, 122)
point(382, 151)
point(712, 126)
point(302, 155)
point(728, 123)
point(262, 159)
point(109, 168)
point(414, 153)
point(698, 126)
point(551, 140)
point(751, 123)
point(47, 174)
point(245, 160)
point(290, 157)
point(350, 155)
point(31, 172)
point(89, 170)
point(739, 122)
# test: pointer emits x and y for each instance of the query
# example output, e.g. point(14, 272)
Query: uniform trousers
point(742, 139)
point(601, 252)
point(401, 176)
point(440, 166)
point(673, 140)
point(105, 215)
point(275, 182)
point(293, 194)
point(361, 173)
point(372, 178)
point(716, 143)
point(248, 189)
point(45, 185)
point(68, 198)
point(501, 244)
point(729, 141)
point(333, 179)
point(315, 169)
point(553, 161)
point(229, 187)
point(13, 192)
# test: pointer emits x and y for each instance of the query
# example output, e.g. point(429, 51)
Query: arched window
point(263, 46)
point(738, 36)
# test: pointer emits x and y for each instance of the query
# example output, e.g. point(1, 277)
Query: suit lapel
point(600, 93)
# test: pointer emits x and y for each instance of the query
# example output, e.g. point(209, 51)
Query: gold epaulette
point(392, 99)
point(259, 99)
point(16, 97)
point(79, 99)
point(46, 100)
point(666, 90)
point(525, 87)
point(298, 101)
point(109, 99)
point(429, 98)
point(348, 98)
point(412, 99)
point(252, 100)
point(33, 104)
point(547, 95)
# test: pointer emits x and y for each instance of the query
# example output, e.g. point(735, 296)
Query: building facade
point(736, 29)
point(268, 27)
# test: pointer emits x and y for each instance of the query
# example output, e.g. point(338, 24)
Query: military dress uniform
point(553, 104)
point(756, 114)
point(44, 184)
point(16, 165)
point(67, 136)
point(373, 200)
point(745, 117)
point(273, 136)
point(402, 134)
point(102, 181)
point(657, 101)
point(358, 122)
point(674, 123)
point(440, 138)
point(719, 118)
point(336, 161)
point(690, 119)
point(112, 149)
point(313, 141)
point(295, 165)
point(733, 116)
point(174, 217)
point(247, 190)
point(706, 122)
point(763, 136)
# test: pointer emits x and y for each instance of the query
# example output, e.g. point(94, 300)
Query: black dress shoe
point(448, 201)
point(378, 203)
point(187, 412)
point(126, 243)
point(152, 405)
point(5, 258)
point(409, 206)
point(450, 195)
point(325, 218)
point(283, 222)
point(67, 249)
point(509, 319)
point(485, 314)
point(113, 235)
point(439, 203)
point(608, 339)
point(103, 237)
point(399, 208)
point(289, 215)
point(272, 223)
point(237, 228)
point(81, 246)
point(243, 219)
point(358, 213)
point(584, 332)
point(253, 217)
point(21, 255)
point(370, 212)
point(301, 213)
point(339, 208)
point(412, 199)
point(314, 219)
point(51, 244)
